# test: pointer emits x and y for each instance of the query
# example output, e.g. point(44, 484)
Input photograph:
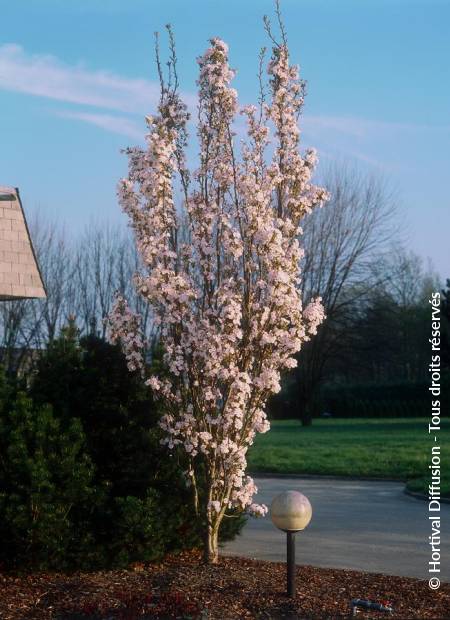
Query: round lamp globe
point(291, 511)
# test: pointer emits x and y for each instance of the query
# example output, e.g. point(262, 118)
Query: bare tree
point(105, 260)
point(55, 257)
point(96, 257)
point(392, 338)
point(13, 317)
point(404, 276)
point(30, 324)
point(342, 241)
point(81, 274)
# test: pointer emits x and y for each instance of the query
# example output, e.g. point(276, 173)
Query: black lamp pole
point(291, 564)
point(290, 512)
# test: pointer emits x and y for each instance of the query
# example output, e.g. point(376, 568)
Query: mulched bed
point(236, 588)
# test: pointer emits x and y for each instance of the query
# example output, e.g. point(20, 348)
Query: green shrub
point(46, 489)
point(84, 480)
point(140, 526)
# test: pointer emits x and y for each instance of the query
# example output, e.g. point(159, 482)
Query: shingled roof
point(20, 276)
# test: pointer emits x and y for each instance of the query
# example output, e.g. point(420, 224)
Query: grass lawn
point(396, 448)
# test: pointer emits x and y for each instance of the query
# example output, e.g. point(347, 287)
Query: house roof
point(20, 276)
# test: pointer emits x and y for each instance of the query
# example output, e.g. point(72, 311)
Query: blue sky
point(77, 78)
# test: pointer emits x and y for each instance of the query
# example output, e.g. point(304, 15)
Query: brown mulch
point(235, 588)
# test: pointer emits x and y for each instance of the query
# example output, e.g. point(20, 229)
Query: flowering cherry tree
point(220, 250)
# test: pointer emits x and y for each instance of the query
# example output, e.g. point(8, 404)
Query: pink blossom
point(221, 269)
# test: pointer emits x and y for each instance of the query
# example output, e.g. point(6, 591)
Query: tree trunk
point(303, 402)
point(211, 551)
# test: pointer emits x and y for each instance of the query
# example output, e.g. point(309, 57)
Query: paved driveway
point(368, 526)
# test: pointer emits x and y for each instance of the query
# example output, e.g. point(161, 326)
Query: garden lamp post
point(291, 512)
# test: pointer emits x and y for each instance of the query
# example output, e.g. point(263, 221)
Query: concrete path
point(367, 526)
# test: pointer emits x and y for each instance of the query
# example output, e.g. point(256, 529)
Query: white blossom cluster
point(124, 329)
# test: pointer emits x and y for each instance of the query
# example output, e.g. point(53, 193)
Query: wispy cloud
point(370, 141)
point(363, 127)
point(46, 76)
point(112, 123)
